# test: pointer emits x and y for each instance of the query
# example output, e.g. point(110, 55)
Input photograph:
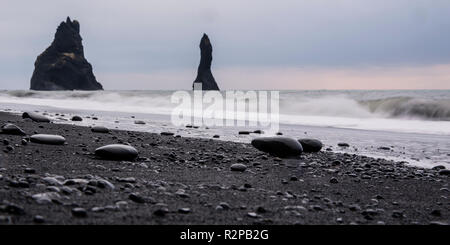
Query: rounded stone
point(79, 212)
point(244, 132)
point(77, 118)
point(278, 146)
point(117, 152)
point(238, 167)
point(99, 129)
point(311, 145)
point(444, 172)
point(167, 133)
point(35, 117)
point(48, 139)
point(10, 128)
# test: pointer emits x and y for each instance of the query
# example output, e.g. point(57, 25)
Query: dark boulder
point(204, 75)
point(62, 66)
point(48, 139)
point(12, 129)
point(77, 119)
point(35, 117)
point(278, 146)
point(311, 145)
point(117, 152)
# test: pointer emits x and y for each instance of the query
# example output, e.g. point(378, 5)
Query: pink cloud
point(293, 78)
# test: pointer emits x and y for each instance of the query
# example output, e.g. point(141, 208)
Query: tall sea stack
point(204, 75)
point(62, 66)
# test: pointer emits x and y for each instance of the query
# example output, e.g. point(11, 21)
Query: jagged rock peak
point(67, 37)
point(62, 66)
point(204, 75)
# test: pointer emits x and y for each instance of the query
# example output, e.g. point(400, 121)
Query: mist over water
point(417, 111)
point(413, 124)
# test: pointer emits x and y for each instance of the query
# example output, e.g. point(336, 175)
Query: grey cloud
point(148, 36)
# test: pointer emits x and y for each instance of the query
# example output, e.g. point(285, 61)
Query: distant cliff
point(204, 75)
point(62, 66)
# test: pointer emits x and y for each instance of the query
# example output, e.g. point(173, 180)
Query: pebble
point(136, 197)
point(52, 181)
point(261, 209)
point(77, 118)
point(100, 129)
point(311, 145)
point(244, 132)
point(438, 223)
point(29, 171)
point(49, 139)
point(162, 211)
point(278, 146)
point(39, 219)
point(444, 172)
point(35, 117)
point(397, 214)
point(12, 208)
point(46, 197)
point(79, 212)
point(12, 129)
point(436, 212)
point(184, 210)
point(167, 133)
point(117, 152)
point(224, 205)
point(127, 180)
point(239, 167)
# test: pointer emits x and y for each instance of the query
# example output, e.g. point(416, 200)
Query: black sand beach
point(179, 180)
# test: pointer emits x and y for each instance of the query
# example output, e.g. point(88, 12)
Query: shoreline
point(179, 180)
point(417, 149)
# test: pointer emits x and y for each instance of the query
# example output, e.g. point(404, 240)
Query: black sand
point(175, 173)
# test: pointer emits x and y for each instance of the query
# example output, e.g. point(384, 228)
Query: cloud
point(150, 37)
point(291, 78)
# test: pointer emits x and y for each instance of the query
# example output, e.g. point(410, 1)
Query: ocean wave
point(404, 107)
point(318, 103)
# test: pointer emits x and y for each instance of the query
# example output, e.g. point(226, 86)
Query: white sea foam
point(402, 111)
point(365, 119)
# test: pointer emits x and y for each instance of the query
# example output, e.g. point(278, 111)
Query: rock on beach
point(278, 146)
point(48, 139)
point(117, 152)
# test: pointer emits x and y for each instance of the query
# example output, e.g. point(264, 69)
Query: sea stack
point(62, 66)
point(204, 75)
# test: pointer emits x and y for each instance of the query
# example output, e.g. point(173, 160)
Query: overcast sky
point(285, 44)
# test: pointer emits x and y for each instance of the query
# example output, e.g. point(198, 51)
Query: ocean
point(402, 125)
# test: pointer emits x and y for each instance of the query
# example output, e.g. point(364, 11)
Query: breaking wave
point(401, 107)
point(325, 103)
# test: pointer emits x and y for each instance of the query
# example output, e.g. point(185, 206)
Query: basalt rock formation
point(204, 75)
point(62, 66)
